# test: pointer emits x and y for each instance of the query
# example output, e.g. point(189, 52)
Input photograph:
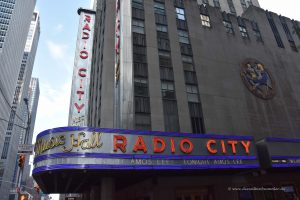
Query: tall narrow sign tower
point(81, 72)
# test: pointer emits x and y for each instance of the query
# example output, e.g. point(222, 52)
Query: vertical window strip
point(244, 5)
point(288, 34)
point(5, 148)
point(170, 111)
point(231, 7)
point(141, 88)
point(256, 31)
point(274, 30)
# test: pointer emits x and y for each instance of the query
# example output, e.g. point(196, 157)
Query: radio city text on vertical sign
point(83, 54)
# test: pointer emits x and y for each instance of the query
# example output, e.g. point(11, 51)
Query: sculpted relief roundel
point(257, 79)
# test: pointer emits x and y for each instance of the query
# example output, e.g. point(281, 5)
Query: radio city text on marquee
point(158, 144)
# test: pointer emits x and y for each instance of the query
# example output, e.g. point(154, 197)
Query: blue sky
point(54, 59)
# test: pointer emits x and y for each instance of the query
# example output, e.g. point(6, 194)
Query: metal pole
point(25, 140)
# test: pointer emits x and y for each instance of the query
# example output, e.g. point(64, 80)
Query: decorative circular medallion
point(257, 79)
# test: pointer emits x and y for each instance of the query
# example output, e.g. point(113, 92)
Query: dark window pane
point(160, 19)
point(168, 90)
point(142, 105)
point(186, 49)
point(138, 13)
point(139, 39)
point(140, 87)
point(140, 69)
point(171, 115)
point(166, 73)
point(196, 117)
point(142, 121)
point(275, 30)
point(190, 77)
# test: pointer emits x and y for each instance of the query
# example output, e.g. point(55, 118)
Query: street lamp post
point(28, 122)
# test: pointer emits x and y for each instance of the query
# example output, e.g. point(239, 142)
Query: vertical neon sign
point(81, 72)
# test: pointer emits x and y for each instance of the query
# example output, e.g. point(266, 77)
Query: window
point(256, 31)
point(196, 117)
point(205, 20)
point(244, 5)
point(163, 44)
point(138, 4)
point(160, 19)
point(178, 3)
point(190, 77)
point(228, 27)
point(217, 3)
point(140, 69)
point(180, 13)
point(187, 59)
point(142, 104)
point(167, 89)
point(159, 8)
point(243, 31)
point(275, 30)
point(139, 50)
point(164, 59)
point(139, 39)
point(231, 7)
point(166, 73)
point(142, 121)
point(138, 14)
point(183, 37)
point(192, 93)
point(288, 34)
point(140, 87)
point(138, 26)
point(162, 28)
point(181, 25)
point(5, 148)
point(171, 115)
point(186, 49)
point(140, 58)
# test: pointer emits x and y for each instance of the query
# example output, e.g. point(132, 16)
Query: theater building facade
point(185, 102)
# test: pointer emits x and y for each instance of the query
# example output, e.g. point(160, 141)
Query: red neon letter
point(86, 27)
point(172, 145)
point(84, 54)
point(223, 147)
point(87, 18)
point(85, 36)
point(186, 150)
point(208, 146)
point(79, 107)
point(246, 146)
point(232, 143)
point(162, 147)
point(121, 146)
point(81, 83)
point(80, 72)
point(80, 93)
point(140, 145)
